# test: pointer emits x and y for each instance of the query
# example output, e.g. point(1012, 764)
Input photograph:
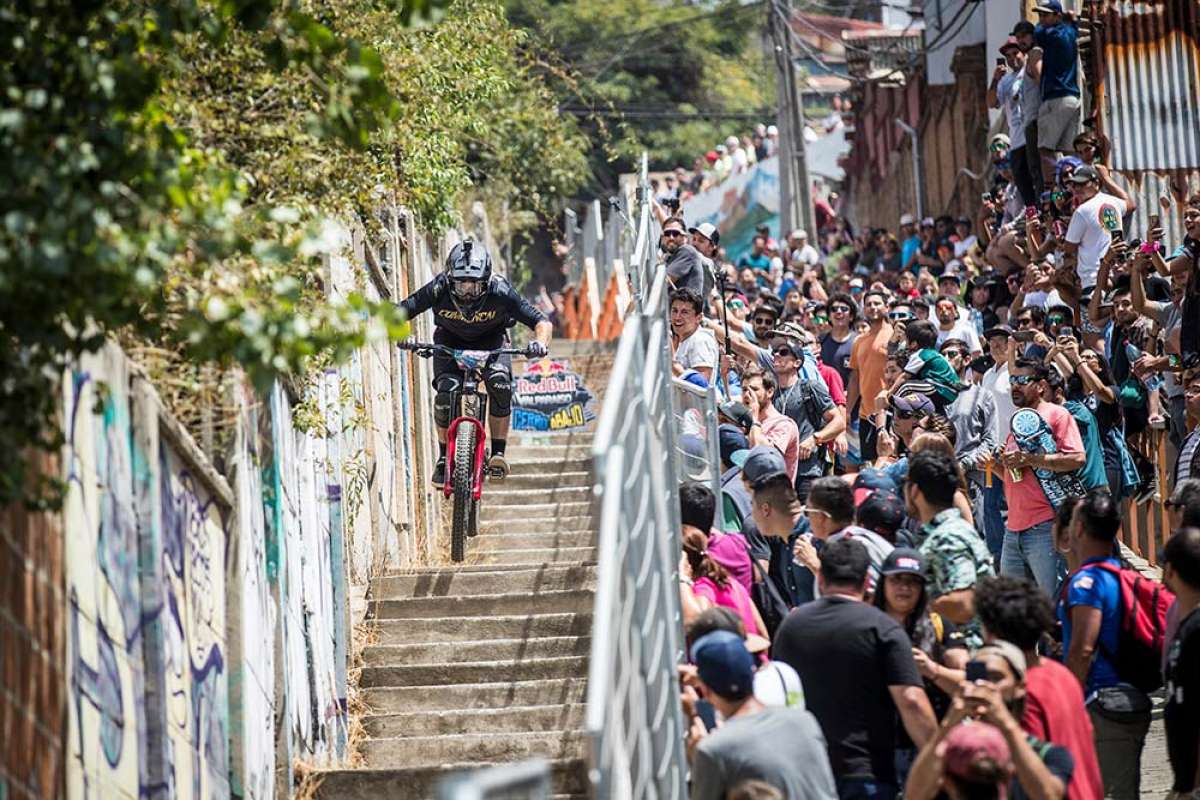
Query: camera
point(669, 202)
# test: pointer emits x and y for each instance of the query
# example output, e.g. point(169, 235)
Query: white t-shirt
point(961, 330)
point(995, 382)
point(806, 254)
point(1009, 93)
point(698, 350)
point(962, 247)
point(1091, 228)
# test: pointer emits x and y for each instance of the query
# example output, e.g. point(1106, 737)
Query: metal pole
point(803, 185)
point(918, 176)
point(782, 120)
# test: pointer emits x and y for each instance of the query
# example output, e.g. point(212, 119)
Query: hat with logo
point(903, 561)
point(882, 511)
point(724, 664)
point(1084, 173)
point(708, 231)
point(914, 397)
point(763, 463)
point(1049, 7)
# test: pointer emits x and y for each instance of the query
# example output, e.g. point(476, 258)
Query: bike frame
point(480, 438)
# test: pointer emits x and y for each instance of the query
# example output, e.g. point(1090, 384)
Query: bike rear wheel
point(464, 491)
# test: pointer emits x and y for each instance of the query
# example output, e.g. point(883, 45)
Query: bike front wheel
point(465, 512)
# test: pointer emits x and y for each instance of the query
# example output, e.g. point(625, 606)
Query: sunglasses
point(952, 353)
point(737, 304)
point(1023, 380)
point(764, 320)
point(899, 316)
point(820, 320)
point(808, 510)
point(673, 233)
point(909, 414)
point(1024, 322)
point(1055, 319)
point(784, 351)
point(839, 310)
point(998, 147)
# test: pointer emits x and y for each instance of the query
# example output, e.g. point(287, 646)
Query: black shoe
point(439, 472)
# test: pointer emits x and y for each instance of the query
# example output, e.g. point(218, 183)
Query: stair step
point(474, 672)
point(534, 555)
point(492, 512)
point(568, 779)
point(537, 462)
point(555, 452)
point(498, 538)
point(429, 751)
point(478, 629)
point(516, 650)
point(457, 582)
point(576, 524)
point(510, 719)
point(575, 600)
point(466, 696)
point(546, 479)
point(546, 494)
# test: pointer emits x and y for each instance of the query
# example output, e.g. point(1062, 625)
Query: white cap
point(799, 233)
point(731, 141)
point(708, 231)
point(720, 148)
point(778, 685)
point(907, 219)
point(772, 130)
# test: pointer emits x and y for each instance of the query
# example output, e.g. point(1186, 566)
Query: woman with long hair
point(711, 585)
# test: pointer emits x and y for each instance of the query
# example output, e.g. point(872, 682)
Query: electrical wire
point(754, 5)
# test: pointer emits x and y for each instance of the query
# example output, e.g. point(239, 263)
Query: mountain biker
point(473, 310)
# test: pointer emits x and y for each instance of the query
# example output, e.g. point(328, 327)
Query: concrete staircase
point(486, 662)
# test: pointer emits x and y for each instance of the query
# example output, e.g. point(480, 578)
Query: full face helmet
point(469, 268)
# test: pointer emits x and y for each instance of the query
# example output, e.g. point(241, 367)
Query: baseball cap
point(907, 219)
point(882, 511)
point(903, 561)
point(950, 276)
point(799, 233)
point(724, 664)
point(708, 231)
point(731, 440)
point(738, 414)
point(731, 141)
point(1049, 7)
point(977, 752)
point(1010, 44)
point(1009, 652)
point(694, 378)
point(927, 222)
point(997, 330)
point(762, 463)
point(869, 480)
point(711, 156)
point(772, 130)
point(1084, 173)
point(914, 397)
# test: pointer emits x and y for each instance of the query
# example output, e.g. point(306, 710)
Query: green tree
point(650, 75)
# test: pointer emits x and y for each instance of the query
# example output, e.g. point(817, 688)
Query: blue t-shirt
point(1100, 589)
point(1059, 55)
point(760, 262)
point(911, 245)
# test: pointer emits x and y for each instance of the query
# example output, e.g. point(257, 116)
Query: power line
point(725, 9)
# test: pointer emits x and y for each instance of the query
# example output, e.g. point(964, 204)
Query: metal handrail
point(634, 722)
point(707, 399)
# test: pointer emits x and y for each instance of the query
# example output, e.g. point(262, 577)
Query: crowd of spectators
point(912, 582)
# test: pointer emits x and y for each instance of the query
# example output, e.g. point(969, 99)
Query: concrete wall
point(179, 632)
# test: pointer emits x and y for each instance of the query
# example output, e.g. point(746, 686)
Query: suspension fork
point(480, 443)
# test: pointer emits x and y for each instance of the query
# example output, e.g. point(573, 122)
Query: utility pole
point(775, 48)
point(792, 108)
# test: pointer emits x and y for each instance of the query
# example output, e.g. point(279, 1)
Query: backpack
point(1142, 633)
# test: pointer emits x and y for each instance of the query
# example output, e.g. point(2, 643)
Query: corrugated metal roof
point(1150, 96)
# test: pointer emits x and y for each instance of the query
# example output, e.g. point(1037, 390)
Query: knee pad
point(443, 399)
point(499, 386)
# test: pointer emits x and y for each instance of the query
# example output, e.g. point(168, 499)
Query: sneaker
point(439, 472)
point(498, 466)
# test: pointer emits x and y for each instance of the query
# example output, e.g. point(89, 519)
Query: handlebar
point(427, 349)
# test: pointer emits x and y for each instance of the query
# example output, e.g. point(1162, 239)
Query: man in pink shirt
point(770, 426)
point(1028, 541)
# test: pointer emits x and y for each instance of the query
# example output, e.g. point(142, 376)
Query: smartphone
point(1030, 212)
point(1154, 221)
point(1066, 330)
point(986, 197)
point(976, 671)
point(1118, 235)
point(1023, 335)
point(1000, 61)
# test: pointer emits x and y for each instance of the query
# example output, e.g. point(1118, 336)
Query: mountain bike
point(466, 438)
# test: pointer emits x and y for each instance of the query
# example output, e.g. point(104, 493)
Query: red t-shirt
point(1054, 712)
point(833, 380)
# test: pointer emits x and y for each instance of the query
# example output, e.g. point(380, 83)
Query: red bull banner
point(550, 397)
